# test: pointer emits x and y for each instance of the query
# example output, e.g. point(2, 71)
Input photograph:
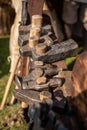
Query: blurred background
point(7, 15)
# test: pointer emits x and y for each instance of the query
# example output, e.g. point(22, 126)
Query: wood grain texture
point(79, 76)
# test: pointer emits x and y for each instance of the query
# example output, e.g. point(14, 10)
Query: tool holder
point(42, 86)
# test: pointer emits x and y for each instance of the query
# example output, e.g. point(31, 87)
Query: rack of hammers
point(41, 49)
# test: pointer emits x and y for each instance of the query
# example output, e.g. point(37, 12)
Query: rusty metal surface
point(58, 52)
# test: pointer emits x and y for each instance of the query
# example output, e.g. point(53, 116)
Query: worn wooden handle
point(9, 84)
point(35, 32)
point(33, 41)
point(36, 21)
point(41, 49)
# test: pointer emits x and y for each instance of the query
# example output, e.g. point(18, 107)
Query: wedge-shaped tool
point(47, 71)
point(51, 83)
point(31, 96)
point(56, 52)
point(41, 83)
point(27, 96)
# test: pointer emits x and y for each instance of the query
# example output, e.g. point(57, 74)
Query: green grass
point(7, 114)
point(4, 53)
point(71, 60)
point(4, 64)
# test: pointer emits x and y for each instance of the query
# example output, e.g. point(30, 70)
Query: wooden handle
point(41, 80)
point(35, 32)
point(41, 49)
point(38, 63)
point(24, 105)
point(45, 95)
point(33, 41)
point(36, 21)
point(9, 84)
